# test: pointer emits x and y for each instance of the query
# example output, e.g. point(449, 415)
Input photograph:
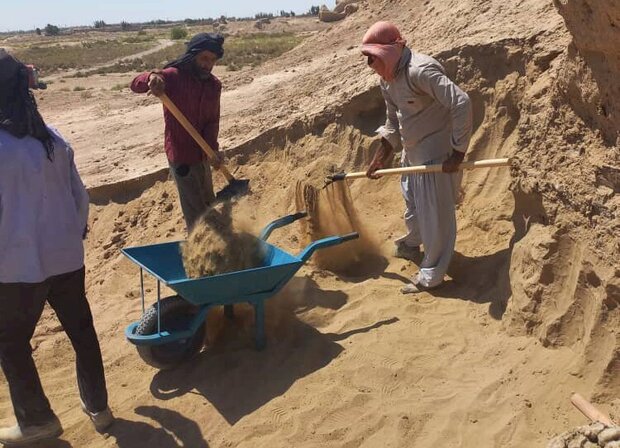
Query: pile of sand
point(215, 247)
point(591, 436)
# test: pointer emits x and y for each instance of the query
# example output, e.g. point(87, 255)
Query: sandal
point(415, 288)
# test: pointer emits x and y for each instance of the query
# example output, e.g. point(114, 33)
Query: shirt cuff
point(391, 136)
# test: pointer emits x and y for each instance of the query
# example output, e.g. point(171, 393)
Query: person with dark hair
point(43, 220)
point(431, 118)
point(191, 85)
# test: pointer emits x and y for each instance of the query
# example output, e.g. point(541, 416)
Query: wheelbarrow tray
point(165, 262)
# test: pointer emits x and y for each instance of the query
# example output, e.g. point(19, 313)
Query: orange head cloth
point(384, 44)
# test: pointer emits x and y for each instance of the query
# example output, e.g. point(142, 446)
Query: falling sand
point(331, 212)
point(214, 247)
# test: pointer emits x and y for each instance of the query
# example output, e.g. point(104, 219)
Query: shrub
point(178, 33)
point(52, 30)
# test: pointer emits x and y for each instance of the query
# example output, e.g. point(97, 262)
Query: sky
point(30, 14)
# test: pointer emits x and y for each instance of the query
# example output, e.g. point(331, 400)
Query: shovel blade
point(334, 178)
point(237, 187)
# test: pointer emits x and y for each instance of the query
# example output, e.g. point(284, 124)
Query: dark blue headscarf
point(213, 42)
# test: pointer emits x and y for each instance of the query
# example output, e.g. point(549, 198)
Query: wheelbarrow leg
point(229, 312)
point(259, 319)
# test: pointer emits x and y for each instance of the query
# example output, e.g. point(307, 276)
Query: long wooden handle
point(174, 110)
point(589, 410)
point(489, 163)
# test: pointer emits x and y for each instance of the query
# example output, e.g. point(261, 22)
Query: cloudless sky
point(30, 14)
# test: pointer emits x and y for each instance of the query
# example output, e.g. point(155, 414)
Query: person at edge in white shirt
point(431, 117)
point(43, 220)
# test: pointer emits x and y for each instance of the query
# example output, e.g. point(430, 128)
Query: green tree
point(52, 30)
point(99, 24)
point(178, 33)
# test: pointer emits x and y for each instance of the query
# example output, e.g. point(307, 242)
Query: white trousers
point(431, 221)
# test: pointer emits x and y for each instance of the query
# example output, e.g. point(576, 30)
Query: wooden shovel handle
point(174, 110)
point(589, 410)
point(489, 163)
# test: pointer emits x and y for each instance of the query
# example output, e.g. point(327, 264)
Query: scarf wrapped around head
point(214, 42)
point(385, 44)
point(9, 66)
point(19, 114)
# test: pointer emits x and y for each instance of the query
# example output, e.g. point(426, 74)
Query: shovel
point(489, 163)
point(235, 187)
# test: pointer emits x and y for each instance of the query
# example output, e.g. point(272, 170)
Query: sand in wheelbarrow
point(214, 246)
point(331, 212)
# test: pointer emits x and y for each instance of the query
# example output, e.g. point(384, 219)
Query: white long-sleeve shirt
point(427, 113)
point(43, 210)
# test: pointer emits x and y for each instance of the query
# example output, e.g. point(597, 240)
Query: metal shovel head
point(237, 187)
point(334, 178)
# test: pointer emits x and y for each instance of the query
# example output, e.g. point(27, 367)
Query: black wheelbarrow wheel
point(176, 313)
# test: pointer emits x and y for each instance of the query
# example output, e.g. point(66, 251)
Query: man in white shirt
point(432, 118)
point(43, 218)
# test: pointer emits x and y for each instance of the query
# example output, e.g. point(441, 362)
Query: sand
point(332, 213)
point(530, 312)
point(215, 247)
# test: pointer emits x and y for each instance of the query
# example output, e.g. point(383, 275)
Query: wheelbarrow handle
point(324, 243)
point(280, 222)
point(350, 236)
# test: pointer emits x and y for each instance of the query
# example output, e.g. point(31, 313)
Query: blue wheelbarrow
point(173, 329)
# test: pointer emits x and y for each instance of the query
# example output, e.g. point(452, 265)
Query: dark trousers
point(195, 186)
point(21, 305)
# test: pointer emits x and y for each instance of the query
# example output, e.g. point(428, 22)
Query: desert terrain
point(530, 312)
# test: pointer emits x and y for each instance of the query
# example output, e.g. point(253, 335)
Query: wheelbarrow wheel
point(175, 314)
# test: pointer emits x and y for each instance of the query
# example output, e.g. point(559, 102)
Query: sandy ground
point(529, 313)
